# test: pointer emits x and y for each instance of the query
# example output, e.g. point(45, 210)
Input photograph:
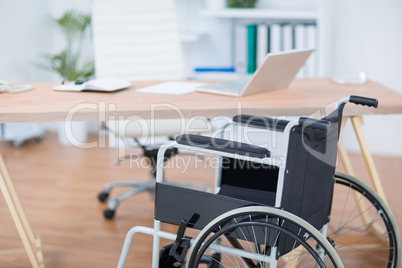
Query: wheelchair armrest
point(261, 122)
point(223, 145)
point(314, 123)
point(279, 125)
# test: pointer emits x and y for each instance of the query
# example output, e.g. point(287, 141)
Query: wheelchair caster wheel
point(103, 196)
point(109, 214)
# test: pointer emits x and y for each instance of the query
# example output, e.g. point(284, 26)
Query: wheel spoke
point(364, 233)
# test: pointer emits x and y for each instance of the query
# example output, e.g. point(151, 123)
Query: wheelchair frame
point(268, 160)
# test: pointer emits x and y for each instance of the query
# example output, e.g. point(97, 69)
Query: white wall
point(26, 34)
point(360, 35)
point(365, 35)
point(214, 46)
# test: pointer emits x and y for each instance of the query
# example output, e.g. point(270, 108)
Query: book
point(106, 84)
point(262, 43)
point(251, 48)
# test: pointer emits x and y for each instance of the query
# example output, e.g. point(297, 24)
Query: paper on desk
point(172, 88)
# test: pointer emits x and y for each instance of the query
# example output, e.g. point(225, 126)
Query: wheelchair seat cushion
point(252, 195)
point(223, 145)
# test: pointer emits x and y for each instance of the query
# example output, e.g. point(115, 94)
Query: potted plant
point(69, 63)
point(242, 3)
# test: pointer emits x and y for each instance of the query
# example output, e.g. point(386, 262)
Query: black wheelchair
point(284, 209)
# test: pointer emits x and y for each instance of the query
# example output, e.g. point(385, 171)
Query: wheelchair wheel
point(362, 227)
point(259, 236)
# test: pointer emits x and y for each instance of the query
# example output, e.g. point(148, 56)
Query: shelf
point(241, 13)
point(214, 75)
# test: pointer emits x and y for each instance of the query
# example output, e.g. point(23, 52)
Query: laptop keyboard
point(234, 86)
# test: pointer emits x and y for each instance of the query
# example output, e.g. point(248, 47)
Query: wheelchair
point(273, 209)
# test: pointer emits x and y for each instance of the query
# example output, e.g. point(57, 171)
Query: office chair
point(130, 132)
point(139, 40)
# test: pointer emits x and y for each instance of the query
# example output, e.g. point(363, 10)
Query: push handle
point(314, 123)
point(364, 101)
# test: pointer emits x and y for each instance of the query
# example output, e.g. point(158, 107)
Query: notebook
point(105, 84)
point(277, 71)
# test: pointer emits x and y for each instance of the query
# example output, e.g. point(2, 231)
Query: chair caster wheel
point(109, 214)
point(38, 138)
point(17, 144)
point(103, 196)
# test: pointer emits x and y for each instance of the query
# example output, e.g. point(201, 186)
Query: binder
point(252, 48)
point(311, 42)
point(300, 42)
point(275, 38)
point(262, 43)
point(240, 49)
point(287, 37)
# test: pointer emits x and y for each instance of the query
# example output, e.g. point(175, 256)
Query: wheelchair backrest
point(308, 174)
point(310, 166)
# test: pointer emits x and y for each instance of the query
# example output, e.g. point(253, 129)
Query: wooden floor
point(58, 186)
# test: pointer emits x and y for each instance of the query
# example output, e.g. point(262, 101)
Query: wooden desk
point(303, 97)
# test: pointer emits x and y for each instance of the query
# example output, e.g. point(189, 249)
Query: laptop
point(277, 71)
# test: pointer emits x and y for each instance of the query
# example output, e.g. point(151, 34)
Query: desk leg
point(31, 243)
point(357, 122)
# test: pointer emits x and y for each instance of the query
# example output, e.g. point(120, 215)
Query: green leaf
point(67, 63)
